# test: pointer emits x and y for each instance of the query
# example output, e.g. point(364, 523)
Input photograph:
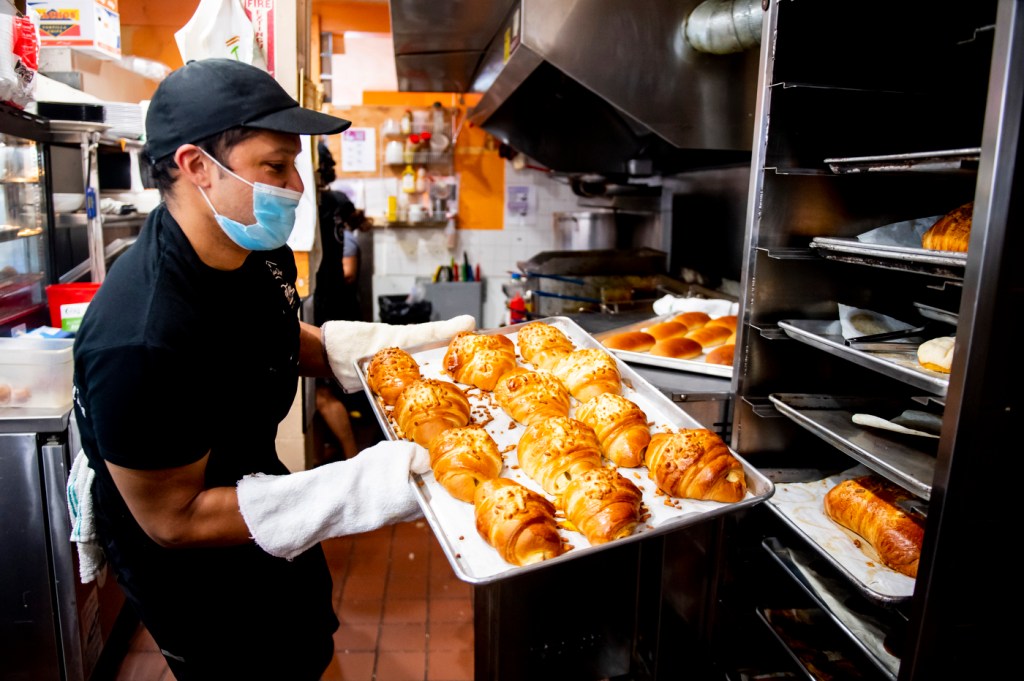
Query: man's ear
point(195, 166)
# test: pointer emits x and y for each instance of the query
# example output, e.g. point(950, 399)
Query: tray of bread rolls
point(688, 341)
point(542, 446)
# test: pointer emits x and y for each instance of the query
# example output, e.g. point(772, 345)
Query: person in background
point(186, 362)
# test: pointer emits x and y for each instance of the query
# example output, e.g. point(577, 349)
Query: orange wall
point(148, 27)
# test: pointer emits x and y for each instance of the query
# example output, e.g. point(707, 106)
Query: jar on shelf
point(412, 144)
point(394, 152)
point(409, 180)
point(437, 119)
point(406, 123)
point(421, 180)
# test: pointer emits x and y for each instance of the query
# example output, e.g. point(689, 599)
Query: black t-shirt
point(175, 359)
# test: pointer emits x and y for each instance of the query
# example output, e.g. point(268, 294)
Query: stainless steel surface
point(452, 521)
point(696, 365)
point(906, 255)
point(965, 160)
point(584, 230)
point(725, 26)
point(764, 614)
point(939, 315)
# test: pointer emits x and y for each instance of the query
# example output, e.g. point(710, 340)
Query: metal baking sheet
point(909, 462)
point(453, 521)
point(802, 506)
point(696, 365)
point(903, 366)
point(945, 160)
point(938, 314)
point(907, 254)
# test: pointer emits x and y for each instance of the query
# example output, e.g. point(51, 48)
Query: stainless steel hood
point(585, 86)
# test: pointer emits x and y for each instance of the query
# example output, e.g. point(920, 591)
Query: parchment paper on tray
point(803, 504)
point(453, 521)
point(857, 322)
point(906, 233)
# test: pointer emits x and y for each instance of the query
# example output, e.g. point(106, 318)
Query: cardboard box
point(91, 26)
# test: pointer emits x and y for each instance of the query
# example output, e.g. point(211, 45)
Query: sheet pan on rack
point(696, 365)
point(453, 521)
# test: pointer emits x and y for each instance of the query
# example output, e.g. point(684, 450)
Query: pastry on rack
point(869, 507)
point(428, 407)
point(463, 458)
point(692, 320)
point(710, 336)
point(723, 354)
point(667, 329)
point(553, 451)
point(728, 321)
point(479, 359)
point(390, 370)
point(631, 341)
point(621, 428)
point(602, 504)
point(531, 396)
point(516, 521)
point(695, 464)
point(937, 354)
point(679, 347)
point(588, 372)
point(951, 232)
point(543, 345)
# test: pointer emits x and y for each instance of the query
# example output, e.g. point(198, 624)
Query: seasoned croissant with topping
point(531, 396)
point(463, 458)
point(695, 464)
point(553, 451)
point(516, 521)
point(602, 504)
point(542, 345)
point(621, 428)
point(479, 359)
point(589, 372)
point(428, 407)
point(389, 371)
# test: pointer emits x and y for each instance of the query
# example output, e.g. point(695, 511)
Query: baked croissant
point(428, 407)
point(621, 428)
point(389, 371)
point(589, 372)
point(951, 232)
point(463, 458)
point(543, 345)
point(516, 521)
point(555, 450)
point(479, 359)
point(695, 464)
point(602, 504)
point(531, 396)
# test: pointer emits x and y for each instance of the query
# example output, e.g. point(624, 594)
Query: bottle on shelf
point(412, 144)
point(421, 180)
point(437, 121)
point(408, 180)
point(405, 125)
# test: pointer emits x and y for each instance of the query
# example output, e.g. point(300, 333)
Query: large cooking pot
point(585, 230)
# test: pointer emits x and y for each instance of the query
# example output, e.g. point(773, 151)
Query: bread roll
point(728, 321)
point(588, 372)
point(463, 458)
point(519, 523)
point(867, 506)
point(543, 345)
point(723, 354)
point(692, 320)
point(602, 504)
point(552, 452)
point(937, 354)
point(677, 348)
point(479, 359)
point(695, 464)
point(710, 336)
point(632, 341)
point(428, 407)
point(621, 428)
point(390, 370)
point(952, 231)
point(531, 396)
point(669, 329)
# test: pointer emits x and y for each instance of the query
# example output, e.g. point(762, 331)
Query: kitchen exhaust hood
point(587, 87)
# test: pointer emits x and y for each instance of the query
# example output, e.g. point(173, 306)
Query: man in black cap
point(186, 362)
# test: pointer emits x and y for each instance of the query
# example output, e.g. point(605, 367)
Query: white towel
point(713, 307)
point(91, 560)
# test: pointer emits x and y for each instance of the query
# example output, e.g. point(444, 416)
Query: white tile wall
point(401, 255)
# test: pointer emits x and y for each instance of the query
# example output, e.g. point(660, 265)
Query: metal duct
point(725, 26)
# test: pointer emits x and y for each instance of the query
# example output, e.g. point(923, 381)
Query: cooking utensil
point(904, 340)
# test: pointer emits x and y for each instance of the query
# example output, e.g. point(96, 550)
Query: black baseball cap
point(208, 96)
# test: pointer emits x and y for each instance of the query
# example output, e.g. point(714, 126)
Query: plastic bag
point(220, 28)
point(25, 48)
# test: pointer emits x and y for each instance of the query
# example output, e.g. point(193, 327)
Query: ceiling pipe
point(725, 26)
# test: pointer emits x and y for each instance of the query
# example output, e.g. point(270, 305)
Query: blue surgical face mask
point(273, 208)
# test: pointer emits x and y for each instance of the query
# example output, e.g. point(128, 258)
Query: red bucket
point(68, 303)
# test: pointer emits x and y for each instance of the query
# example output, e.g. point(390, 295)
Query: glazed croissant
point(516, 521)
point(479, 359)
point(543, 345)
point(463, 458)
point(553, 451)
point(602, 504)
point(389, 371)
point(589, 372)
point(428, 407)
point(621, 428)
point(531, 396)
point(695, 464)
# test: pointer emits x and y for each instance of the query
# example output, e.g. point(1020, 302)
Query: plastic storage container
point(36, 372)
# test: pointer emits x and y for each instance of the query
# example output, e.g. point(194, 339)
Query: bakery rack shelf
point(903, 258)
point(941, 161)
point(907, 460)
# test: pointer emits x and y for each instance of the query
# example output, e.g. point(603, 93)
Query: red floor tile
point(360, 612)
point(451, 609)
point(450, 665)
point(356, 637)
point(401, 666)
point(355, 666)
point(403, 637)
point(405, 610)
point(450, 636)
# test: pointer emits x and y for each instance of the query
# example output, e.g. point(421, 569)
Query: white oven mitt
point(288, 514)
point(346, 341)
